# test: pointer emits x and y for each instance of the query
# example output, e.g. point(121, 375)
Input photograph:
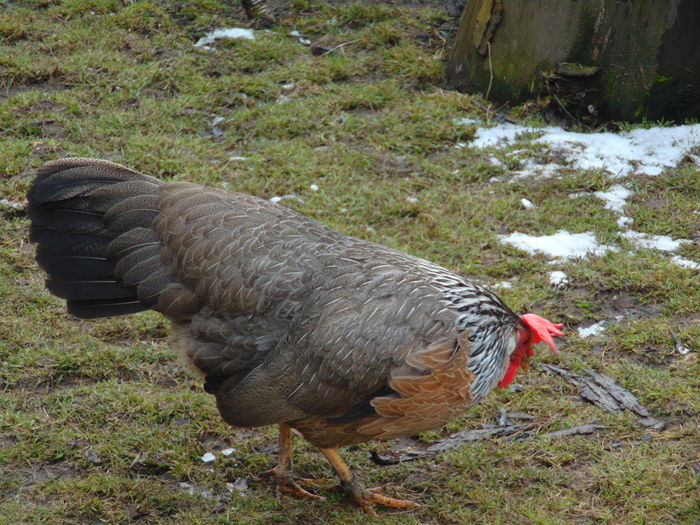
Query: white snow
point(685, 263)
point(527, 203)
point(465, 121)
point(501, 134)
point(615, 198)
point(411, 199)
point(558, 279)
point(232, 32)
point(227, 451)
point(594, 329)
point(657, 242)
point(644, 151)
point(238, 157)
point(532, 168)
point(13, 205)
point(561, 245)
point(503, 284)
point(313, 187)
point(623, 222)
point(208, 457)
point(278, 198)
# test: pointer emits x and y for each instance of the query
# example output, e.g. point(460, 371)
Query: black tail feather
point(77, 207)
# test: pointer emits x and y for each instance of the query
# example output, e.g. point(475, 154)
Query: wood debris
point(605, 392)
point(574, 431)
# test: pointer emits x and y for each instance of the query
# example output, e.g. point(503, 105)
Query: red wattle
point(512, 371)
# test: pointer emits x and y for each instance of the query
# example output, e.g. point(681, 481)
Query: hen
point(287, 321)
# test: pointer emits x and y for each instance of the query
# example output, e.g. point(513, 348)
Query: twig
point(339, 46)
point(573, 431)
point(564, 108)
point(488, 90)
point(683, 350)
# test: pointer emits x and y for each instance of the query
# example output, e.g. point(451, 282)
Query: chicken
point(287, 321)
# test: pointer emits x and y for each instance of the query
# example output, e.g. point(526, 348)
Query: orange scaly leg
point(365, 498)
point(282, 472)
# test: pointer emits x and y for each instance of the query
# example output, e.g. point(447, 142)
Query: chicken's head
point(534, 329)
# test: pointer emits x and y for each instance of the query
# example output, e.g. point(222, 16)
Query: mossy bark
point(616, 59)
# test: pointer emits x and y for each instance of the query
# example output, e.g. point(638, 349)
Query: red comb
point(542, 329)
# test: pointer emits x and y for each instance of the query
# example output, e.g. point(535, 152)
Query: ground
point(99, 423)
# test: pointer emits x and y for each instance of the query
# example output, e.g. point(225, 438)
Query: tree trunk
point(613, 59)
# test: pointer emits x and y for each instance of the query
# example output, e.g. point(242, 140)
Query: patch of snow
point(235, 157)
point(593, 330)
point(313, 187)
point(195, 490)
point(685, 263)
point(647, 151)
point(615, 198)
point(208, 457)
point(561, 245)
point(623, 222)
point(294, 33)
point(13, 205)
point(503, 284)
point(500, 134)
point(233, 32)
point(240, 486)
point(494, 161)
point(515, 152)
point(227, 451)
point(532, 168)
point(288, 85)
point(278, 198)
point(558, 279)
point(656, 242)
point(460, 145)
point(466, 121)
point(411, 199)
point(528, 204)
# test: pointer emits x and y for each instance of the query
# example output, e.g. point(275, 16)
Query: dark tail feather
point(77, 207)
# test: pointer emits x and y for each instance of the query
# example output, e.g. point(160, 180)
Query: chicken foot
point(282, 472)
point(365, 498)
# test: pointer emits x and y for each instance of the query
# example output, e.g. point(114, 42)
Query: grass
point(98, 420)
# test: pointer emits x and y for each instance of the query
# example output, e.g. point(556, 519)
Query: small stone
point(93, 457)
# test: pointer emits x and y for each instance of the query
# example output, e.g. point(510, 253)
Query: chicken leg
point(282, 472)
point(365, 498)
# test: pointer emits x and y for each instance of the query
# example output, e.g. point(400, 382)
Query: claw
point(286, 483)
point(368, 499)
